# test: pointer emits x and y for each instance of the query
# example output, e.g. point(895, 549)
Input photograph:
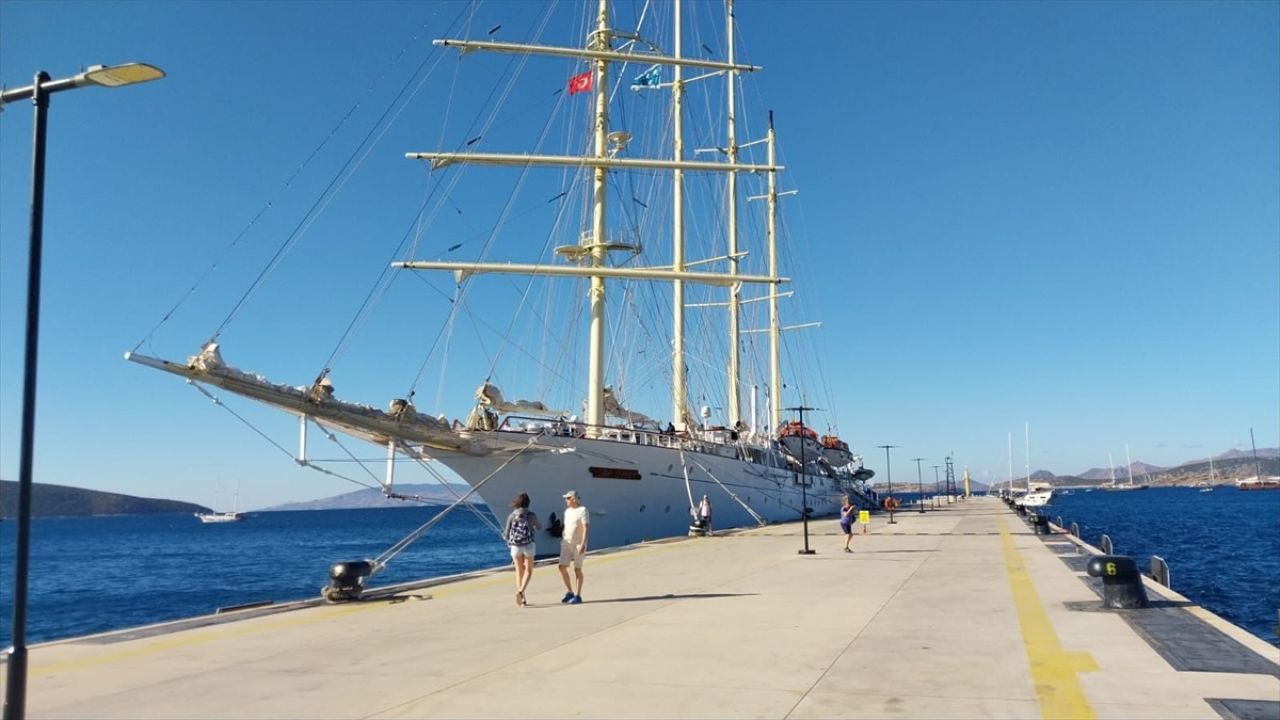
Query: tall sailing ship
point(640, 477)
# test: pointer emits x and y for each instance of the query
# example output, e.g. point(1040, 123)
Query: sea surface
point(1222, 547)
point(90, 575)
point(93, 574)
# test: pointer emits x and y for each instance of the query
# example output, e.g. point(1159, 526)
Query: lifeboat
point(799, 441)
point(795, 429)
point(836, 451)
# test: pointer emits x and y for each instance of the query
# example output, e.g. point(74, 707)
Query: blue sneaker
point(568, 597)
point(576, 600)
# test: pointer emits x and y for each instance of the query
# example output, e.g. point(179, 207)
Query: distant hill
point(63, 501)
point(1229, 459)
point(1139, 469)
point(1245, 455)
point(432, 493)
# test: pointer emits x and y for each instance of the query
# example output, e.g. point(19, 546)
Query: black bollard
point(1040, 524)
point(1121, 582)
point(346, 580)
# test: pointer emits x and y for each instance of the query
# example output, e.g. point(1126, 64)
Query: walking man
point(573, 545)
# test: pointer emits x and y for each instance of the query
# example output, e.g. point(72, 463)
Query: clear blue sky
point(1066, 214)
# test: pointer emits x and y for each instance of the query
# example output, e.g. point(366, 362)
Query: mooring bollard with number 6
point(1121, 582)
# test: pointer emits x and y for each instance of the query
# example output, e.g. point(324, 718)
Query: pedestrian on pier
point(519, 534)
point(573, 545)
point(704, 514)
point(847, 513)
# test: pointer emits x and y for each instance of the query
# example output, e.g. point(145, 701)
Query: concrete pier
point(961, 612)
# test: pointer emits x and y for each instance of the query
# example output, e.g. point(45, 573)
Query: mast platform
point(962, 612)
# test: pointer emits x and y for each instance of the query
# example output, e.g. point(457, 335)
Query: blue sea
point(1222, 547)
point(90, 575)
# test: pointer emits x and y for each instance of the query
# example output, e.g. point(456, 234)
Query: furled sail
point(318, 403)
point(490, 396)
point(614, 408)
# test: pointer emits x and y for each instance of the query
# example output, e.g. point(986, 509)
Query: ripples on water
point(1222, 547)
point(90, 575)
point(94, 574)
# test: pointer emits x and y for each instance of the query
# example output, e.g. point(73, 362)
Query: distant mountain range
point(431, 493)
point(1138, 468)
point(1141, 469)
point(1228, 467)
point(63, 501)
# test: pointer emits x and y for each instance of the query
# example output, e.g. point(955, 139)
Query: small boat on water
point(1259, 483)
point(1038, 495)
point(215, 517)
point(220, 517)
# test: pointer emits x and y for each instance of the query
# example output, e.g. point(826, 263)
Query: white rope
point(485, 518)
point(684, 467)
point(759, 520)
point(381, 561)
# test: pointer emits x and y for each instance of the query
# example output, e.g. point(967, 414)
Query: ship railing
point(624, 434)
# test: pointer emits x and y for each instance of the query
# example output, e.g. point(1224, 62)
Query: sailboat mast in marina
point(638, 478)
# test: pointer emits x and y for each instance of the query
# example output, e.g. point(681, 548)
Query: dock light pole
point(919, 486)
point(15, 695)
point(804, 481)
point(888, 473)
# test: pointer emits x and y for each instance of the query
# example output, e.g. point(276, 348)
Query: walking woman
point(847, 513)
point(521, 525)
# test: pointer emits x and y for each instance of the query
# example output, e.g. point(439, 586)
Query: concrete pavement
point(957, 613)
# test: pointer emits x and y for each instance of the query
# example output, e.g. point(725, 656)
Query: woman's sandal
point(519, 599)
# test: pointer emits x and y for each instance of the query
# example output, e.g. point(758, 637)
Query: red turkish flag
point(580, 83)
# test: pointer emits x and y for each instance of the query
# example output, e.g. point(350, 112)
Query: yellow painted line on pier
point(1053, 670)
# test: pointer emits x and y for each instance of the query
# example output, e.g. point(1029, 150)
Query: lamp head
point(117, 75)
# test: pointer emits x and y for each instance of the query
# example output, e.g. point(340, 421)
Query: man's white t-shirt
point(576, 521)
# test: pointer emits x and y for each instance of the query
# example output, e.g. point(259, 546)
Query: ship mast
point(731, 149)
point(679, 391)
point(775, 369)
point(591, 253)
point(601, 40)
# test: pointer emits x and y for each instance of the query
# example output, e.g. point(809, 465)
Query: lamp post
point(888, 473)
point(15, 696)
point(919, 486)
point(804, 481)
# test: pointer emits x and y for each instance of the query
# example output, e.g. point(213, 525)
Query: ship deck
point(960, 612)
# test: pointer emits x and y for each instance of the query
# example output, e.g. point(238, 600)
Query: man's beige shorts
point(569, 554)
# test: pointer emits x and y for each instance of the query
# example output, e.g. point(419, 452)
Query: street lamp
point(804, 480)
point(919, 486)
point(15, 696)
point(888, 473)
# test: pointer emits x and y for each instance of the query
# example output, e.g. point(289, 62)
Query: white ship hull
point(635, 492)
point(220, 517)
point(1036, 498)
